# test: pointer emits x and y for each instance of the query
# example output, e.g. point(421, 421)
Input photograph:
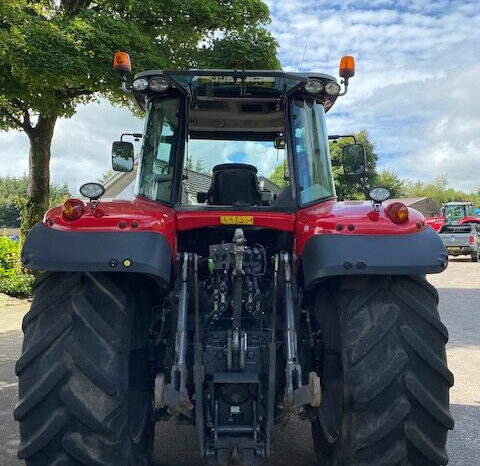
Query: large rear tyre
point(83, 397)
point(394, 380)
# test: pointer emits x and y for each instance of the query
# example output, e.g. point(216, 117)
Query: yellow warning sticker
point(236, 220)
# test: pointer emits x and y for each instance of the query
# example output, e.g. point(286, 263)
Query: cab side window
point(155, 180)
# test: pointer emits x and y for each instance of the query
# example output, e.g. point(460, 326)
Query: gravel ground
point(459, 289)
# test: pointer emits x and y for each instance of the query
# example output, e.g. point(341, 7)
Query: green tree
point(242, 50)
point(56, 54)
point(476, 198)
point(437, 190)
point(58, 194)
point(349, 187)
point(9, 216)
point(189, 164)
point(106, 176)
point(280, 172)
point(200, 165)
point(389, 179)
point(13, 197)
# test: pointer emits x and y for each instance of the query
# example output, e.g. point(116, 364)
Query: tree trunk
point(38, 173)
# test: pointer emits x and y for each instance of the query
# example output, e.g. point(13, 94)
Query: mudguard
point(146, 252)
point(330, 255)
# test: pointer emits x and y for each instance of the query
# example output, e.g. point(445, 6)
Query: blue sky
point(415, 89)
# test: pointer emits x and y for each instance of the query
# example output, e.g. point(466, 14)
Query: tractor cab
point(454, 212)
point(235, 128)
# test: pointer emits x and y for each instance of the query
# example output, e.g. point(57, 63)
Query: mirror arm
point(338, 136)
point(345, 87)
point(136, 136)
point(124, 86)
point(363, 183)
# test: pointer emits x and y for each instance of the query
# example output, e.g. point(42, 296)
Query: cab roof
point(218, 84)
point(458, 203)
point(236, 73)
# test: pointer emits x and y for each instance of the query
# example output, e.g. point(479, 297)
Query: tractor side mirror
point(122, 156)
point(354, 159)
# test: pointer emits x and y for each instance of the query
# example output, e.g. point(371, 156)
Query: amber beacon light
point(122, 63)
point(347, 67)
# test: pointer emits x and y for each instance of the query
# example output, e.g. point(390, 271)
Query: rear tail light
point(472, 239)
point(397, 212)
point(73, 209)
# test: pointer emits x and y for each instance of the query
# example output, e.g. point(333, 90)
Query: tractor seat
point(234, 184)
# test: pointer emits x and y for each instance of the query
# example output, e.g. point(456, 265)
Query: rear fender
point(330, 255)
point(146, 252)
point(113, 236)
point(355, 238)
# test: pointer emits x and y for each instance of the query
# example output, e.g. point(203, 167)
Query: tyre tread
point(438, 455)
point(44, 435)
point(73, 391)
point(40, 390)
point(57, 330)
point(429, 403)
point(100, 330)
point(425, 353)
point(421, 309)
point(382, 379)
point(396, 382)
point(361, 348)
point(373, 432)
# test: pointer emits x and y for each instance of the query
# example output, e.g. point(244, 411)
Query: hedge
point(13, 281)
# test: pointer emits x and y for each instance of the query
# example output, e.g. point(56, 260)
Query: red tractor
point(454, 213)
point(233, 308)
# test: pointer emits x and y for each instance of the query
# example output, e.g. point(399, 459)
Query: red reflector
point(472, 239)
point(397, 212)
point(373, 216)
point(73, 209)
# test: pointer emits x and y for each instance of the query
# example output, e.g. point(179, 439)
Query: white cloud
point(13, 153)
